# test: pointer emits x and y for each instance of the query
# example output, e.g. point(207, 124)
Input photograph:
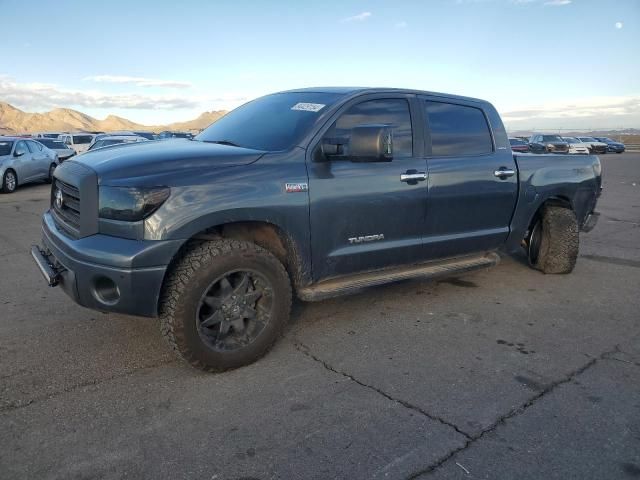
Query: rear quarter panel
point(571, 178)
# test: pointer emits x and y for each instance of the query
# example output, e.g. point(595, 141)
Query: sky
point(542, 63)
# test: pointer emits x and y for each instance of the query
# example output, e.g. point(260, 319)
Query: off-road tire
point(559, 241)
point(4, 188)
point(198, 265)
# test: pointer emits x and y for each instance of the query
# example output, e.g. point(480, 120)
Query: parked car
point(576, 146)
point(144, 134)
point(24, 161)
point(48, 134)
point(518, 145)
point(319, 192)
point(77, 141)
point(539, 143)
point(595, 146)
point(167, 134)
point(110, 140)
point(59, 147)
point(612, 145)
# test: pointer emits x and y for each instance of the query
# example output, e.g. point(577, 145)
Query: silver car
point(59, 147)
point(23, 161)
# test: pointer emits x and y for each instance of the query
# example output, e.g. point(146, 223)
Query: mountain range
point(15, 121)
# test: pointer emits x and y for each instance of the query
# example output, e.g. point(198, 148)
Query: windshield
point(552, 138)
point(274, 122)
point(515, 141)
point(571, 140)
point(80, 139)
point(50, 135)
point(587, 139)
point(55, 144)
point(5, 148)
point(606, 140)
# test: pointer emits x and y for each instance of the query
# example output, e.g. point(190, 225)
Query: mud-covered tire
point(558, 242)
point(191, 277)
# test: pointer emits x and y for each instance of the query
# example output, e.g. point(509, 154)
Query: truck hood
point(140, 162)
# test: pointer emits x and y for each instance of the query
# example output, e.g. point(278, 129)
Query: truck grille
point(66, 214)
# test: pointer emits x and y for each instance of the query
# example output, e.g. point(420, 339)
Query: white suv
point(78, 141)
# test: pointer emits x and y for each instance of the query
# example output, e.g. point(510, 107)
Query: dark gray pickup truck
point(320, 192)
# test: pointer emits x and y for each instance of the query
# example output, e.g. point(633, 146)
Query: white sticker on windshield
point(308, 107)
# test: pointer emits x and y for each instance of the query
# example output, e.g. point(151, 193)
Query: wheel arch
point(554, 200)
point(267, 235)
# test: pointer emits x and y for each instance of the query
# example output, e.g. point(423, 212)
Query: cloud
point(357, 18)
point(401, 24)
point(557, 3)
point(137, 81)
point(39, 96)
point(597, 110)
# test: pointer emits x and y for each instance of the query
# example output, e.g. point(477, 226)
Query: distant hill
point(204, 120)
point(13, 120)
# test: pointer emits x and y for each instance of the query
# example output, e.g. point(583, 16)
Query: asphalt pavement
point(499, 374)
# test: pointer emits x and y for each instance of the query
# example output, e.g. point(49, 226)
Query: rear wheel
point(554, 240)
point(224, 304)
point(9, 182)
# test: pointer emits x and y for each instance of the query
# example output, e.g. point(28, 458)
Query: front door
point(367, 216)
point(473, 180)
point(23, 164)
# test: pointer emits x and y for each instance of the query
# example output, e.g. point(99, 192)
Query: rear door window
point(457, 130)
point(35, 147)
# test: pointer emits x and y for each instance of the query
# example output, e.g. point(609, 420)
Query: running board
point(355, 283)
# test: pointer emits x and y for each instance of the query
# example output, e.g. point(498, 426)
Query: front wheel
point(554, 240)
point(224, 304)
point(9, 182)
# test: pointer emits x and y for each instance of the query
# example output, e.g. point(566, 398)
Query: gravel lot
point(504, 373)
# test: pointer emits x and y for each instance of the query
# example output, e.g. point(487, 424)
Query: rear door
point(39, 159)
point(363, 215)
point(473, 181)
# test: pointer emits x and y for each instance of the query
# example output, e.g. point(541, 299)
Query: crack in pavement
point(470, 439)
point(302, 348)
point(13, 406)
point(515, 412)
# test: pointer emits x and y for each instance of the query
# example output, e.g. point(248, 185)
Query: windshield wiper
point(223, 142)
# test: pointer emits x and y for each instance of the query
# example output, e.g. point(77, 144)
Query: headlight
point(549, 145)
point(130, 204)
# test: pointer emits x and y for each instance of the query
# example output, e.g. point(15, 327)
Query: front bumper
point(105, 273)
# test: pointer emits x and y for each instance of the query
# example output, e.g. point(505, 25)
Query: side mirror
point(20, 151)
point(371, 143)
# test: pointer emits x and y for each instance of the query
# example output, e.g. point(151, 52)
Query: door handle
point(504, 172)
point(413, 176)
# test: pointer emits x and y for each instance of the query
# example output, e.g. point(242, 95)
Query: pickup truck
point(320, 192)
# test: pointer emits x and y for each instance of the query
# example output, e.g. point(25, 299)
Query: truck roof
point(352, 91)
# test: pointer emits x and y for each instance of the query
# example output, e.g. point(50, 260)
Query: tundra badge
point(366, 238)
